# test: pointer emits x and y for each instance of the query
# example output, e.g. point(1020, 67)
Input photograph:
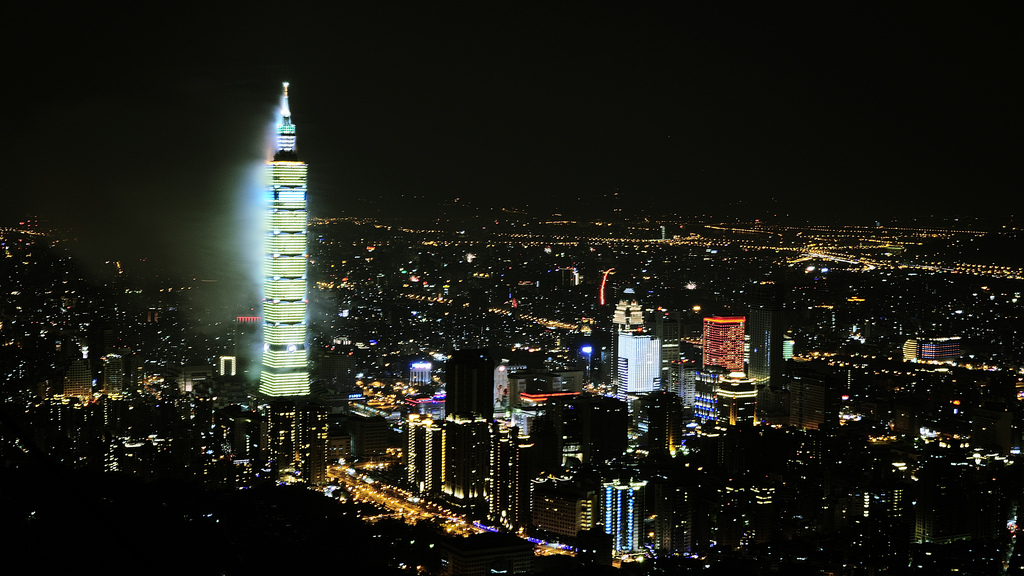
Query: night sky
point(140, 129)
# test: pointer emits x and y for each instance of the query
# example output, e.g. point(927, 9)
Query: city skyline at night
point(584, 290)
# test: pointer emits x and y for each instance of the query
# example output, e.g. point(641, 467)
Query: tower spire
point(285, 111)
point(285, 130)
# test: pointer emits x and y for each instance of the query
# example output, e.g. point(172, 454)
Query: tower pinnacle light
point(285, 369)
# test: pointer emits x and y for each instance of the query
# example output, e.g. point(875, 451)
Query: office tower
point(78, 380)
point(508, 484)
point(622, 511)
point(766, 334)
point(466, 458)
point(664, 414)
point(705, 392)
point(285, 366)
point(667, 328)
point(338, 370)
point(813, 401)
point(470, 383)
point(628, 317)
point(736, 397)
point(419, 373)
point(113, 374)
point(281, 436)
point(369, 436)
point(423, 453)
point(562, 508)
point(639, 364)
point(688, 384)
point(311, 444)
point(746, 513)
point(723, 342)
point(672, 505)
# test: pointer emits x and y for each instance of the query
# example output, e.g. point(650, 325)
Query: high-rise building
point(113, 374)
point(466, 458)
point(622, 510)
point(562, 508)
point(663, 411)
point(281, 435)
point(736, 398)
point(470, 383)
point(423, 453)
point(639, 364)
point(723, 342)
point(368, 436)
point(604, 425)
point(508, 484)
point(766, 334)
point(667, 328)
point(311, 443)
point(285, 369)
point(814, 401)
point(78, 380)
point(705, 392)
point(296, 440)
point(628, 317)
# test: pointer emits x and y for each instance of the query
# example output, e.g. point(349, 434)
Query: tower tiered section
point(285, 369)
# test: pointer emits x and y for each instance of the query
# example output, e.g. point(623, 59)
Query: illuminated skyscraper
point(623, 512)
point(639, 364)
point(766, 333)
point(285, 366)
point(628, 317)
point(723, 342)
point(78, 380)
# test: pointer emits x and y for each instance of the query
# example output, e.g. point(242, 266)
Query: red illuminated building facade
point(723, 342)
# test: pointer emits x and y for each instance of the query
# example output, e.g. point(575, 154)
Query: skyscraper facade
point(466, 458)
point(723, 342)
point(78, 380)
point(470, 383)
point(766, 333)
point(623, 512)
point(639, 363)
point(285, 369)
point(423, 454)
point(628, 317)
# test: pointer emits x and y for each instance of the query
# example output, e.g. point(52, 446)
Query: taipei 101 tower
point(285, 360)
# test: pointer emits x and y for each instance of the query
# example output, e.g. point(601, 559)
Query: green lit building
point(285, 359)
